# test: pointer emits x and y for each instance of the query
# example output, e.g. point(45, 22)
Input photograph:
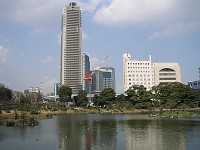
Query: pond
point(104, 132)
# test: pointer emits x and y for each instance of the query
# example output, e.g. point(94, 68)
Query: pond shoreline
point(26, 118)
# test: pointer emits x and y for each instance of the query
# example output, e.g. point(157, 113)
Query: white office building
point(137, 72)
point(166, 73)
point(71, 45)
point(148, 73)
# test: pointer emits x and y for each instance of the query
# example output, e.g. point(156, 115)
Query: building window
point(167, 78)
point(166, 70)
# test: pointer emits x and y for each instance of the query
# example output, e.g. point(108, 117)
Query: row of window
point(167, 74)
point(139, 71)
point(139, 79)
point(195, 83)
point(138, 67)
point(140, 83)
point(167, 78)
point(138, 63)
point(139, 75)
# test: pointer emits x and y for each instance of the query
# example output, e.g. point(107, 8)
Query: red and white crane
point(88, 77)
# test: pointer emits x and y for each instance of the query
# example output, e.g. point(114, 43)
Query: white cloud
point(91, 5)
point(4, 55)
point(132, 11)
point(48, 59)
point(169, 16)
point(42, 15)
point(175, 29)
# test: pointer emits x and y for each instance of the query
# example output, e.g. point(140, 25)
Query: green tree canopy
point(174, 94)
point(106, 97)
point(5, 93)
point(139, 96)
point(65, 93)
point(81, 99)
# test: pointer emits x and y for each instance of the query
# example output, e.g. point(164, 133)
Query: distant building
point(71, 48)
point(102, 78)
point(34, 90)
point(26, 91)
point(148, 73)
point(195, 84)
point(56, 89)
point(86, 69)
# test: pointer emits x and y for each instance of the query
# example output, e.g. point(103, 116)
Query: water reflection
point(122, 132)
point(107, 132)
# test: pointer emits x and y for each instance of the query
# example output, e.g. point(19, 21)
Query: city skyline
point(30, 40)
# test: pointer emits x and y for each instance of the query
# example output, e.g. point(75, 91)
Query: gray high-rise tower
point(71, 44)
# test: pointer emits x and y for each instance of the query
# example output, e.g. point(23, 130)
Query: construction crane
point(88, 77)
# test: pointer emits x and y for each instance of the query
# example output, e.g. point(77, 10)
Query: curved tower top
point(72, 4)
point(126, 56)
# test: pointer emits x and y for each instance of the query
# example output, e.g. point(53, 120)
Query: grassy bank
point(43, 114)
point(47, 114)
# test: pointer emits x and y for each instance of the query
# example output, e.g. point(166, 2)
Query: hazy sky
point(169, 30)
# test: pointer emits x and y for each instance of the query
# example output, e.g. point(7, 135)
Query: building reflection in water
point(113, 132)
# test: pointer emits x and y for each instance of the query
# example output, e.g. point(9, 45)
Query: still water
point(104, 132)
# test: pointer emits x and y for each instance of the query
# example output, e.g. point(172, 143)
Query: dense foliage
point(81, 99)
point(169, 95)
point(173, 95)
point(105, 98)
point(5, 93)
point(65, 93)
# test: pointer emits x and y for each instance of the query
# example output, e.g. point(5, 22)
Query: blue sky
point(169, 30)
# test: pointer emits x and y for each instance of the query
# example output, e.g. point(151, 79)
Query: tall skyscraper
point(71, 45)
point(86, 69)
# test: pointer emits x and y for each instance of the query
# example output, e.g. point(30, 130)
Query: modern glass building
point(102, 78)
point(71, 45)
point(86, 69)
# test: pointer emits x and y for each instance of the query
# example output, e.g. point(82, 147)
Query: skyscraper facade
point(71, 45)
point(86, 69)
